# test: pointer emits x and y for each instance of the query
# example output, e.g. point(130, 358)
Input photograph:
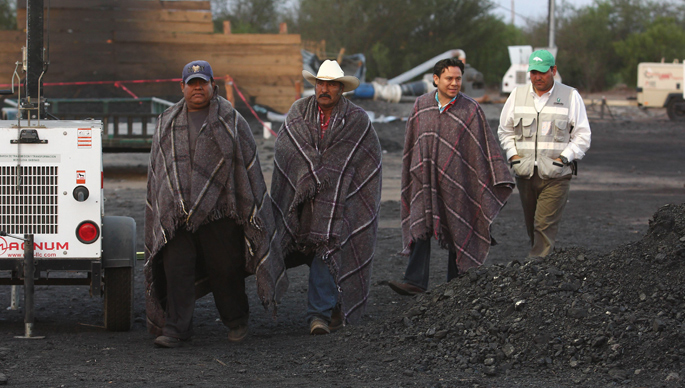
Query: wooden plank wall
point(120, 40)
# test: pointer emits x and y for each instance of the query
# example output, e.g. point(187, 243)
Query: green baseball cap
point(540, 60)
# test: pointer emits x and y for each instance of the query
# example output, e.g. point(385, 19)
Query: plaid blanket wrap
point(454, 178)
point(224, 180)
point(326, 194)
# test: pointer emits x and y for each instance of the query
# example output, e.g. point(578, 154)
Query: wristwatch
point(563, 159)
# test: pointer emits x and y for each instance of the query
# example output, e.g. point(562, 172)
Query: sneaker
point(164, 341)
point(405, 288)
point(237, 334)
point(336, 320)
point(318, 326)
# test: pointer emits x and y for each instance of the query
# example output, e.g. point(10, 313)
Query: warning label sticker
point(84, 138)
point(80, 177)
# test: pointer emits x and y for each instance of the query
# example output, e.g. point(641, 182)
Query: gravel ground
point(604, 310)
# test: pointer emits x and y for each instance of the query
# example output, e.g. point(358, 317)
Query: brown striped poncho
point(224, 180)
point(326, 194)
point(454, 178)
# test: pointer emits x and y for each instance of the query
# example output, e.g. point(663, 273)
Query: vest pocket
point(549, 168)
point(523, 167)
point(560, 130)
point(524, 127)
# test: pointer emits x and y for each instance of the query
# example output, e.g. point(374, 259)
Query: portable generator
point(53, 229)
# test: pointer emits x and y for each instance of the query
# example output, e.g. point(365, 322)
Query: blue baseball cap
point(197, 69)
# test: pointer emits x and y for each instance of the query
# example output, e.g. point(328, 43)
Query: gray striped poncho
point(326, 194)
point(454, 178)
point(224, 180)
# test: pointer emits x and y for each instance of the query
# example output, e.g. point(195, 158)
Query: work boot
point(237, 334)
point(336, 320)
point(318, 326)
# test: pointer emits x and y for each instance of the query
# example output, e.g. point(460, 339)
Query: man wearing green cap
point(543, 130)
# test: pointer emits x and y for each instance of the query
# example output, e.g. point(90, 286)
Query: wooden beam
point(95, 15)
point(124, 4)
point(212, 39)
point(76, 27)
point(262, 90)
point(229, 50)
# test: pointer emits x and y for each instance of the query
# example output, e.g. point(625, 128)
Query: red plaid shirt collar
point(324, 124)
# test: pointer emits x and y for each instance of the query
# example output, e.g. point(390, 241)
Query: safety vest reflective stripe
point(544, 134)
point(525, 109)
point(541, 145)
point(548, 109)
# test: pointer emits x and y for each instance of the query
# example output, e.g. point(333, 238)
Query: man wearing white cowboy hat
point(326, 189)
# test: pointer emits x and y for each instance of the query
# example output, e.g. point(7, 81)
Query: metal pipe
point(14, 298)
point(29, 270)
point(29, 273)
point(424, 67)
point(551, 24)
point(34, 49)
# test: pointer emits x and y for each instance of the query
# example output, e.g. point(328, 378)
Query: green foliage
point(601, 45)
point(488, 52)
point(585, 55)
point(663, 39)
point(382, 59)
point(397, 35)
point(598, 45)
point(8, 15)
point(246, 16)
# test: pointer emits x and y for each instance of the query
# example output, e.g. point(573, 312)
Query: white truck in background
point(518, 74)
point(660, 85)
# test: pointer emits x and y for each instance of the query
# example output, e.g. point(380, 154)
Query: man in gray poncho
point(208, 220)
point(454, 180)
point(326, 192)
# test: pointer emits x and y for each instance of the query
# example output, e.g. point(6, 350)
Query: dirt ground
point(634, 167)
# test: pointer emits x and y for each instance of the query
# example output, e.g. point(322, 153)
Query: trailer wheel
point(118, 298)
point(676, 109)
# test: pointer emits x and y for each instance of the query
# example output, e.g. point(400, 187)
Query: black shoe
point(405, 288)
point(164, 341)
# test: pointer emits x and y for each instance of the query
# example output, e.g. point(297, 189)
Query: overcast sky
point(537, 9)
point(531, 9)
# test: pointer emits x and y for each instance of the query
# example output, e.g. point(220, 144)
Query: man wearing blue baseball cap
point(208, 219)
point(544, 131)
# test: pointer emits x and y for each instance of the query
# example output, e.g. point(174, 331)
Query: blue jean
point(322, 295)
point(418, 269)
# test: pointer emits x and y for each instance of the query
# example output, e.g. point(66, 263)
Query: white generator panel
point(51, 187)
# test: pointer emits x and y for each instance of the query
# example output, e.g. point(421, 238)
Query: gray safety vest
point(541, 136)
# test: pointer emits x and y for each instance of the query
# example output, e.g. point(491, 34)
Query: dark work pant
point(418, 269)
point(220, 248)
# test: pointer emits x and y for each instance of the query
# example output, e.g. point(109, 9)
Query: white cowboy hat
point(331, 71)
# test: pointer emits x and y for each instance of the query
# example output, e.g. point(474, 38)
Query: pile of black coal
point(619, 315)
